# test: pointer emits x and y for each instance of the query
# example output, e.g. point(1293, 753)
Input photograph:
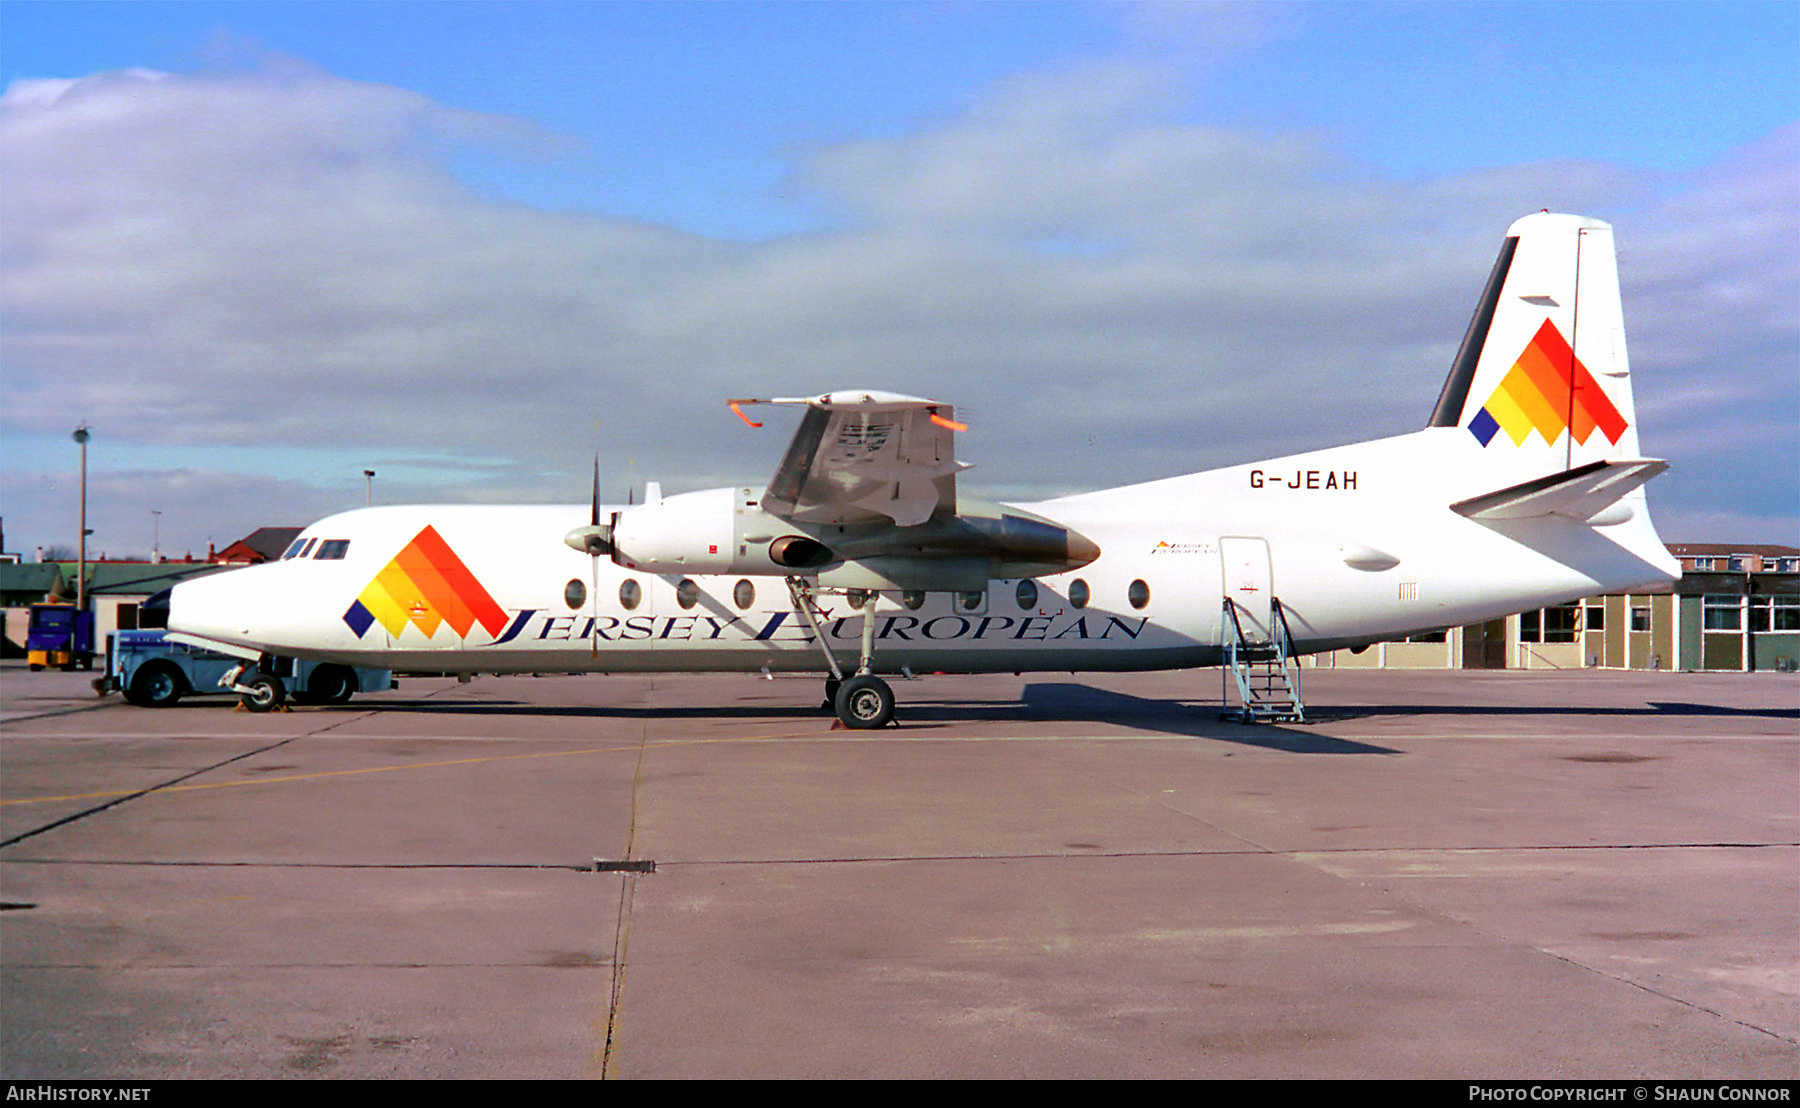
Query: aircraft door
point(1249, 585)
point(1484, 645)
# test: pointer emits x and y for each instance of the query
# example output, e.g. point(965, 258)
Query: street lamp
point(369, 493)
point(155, 537)
point(81, 438)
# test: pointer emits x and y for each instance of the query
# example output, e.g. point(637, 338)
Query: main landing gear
point(862, 701)
point(865, 701)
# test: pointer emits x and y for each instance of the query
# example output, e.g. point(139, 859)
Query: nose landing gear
point(262, 692)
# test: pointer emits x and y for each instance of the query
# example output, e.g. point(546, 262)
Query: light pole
point(81, 438)
point(155, 537)
point(369, 493)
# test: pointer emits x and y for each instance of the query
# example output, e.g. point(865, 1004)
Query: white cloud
point(279, 260)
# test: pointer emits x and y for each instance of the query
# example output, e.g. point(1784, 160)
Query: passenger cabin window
point(1138, 594)
point(1078, 593)
point(743, 594)
point(332, 550)
point(687, 594)
point(1027, 594)
point(574, 593)
point(631, 594)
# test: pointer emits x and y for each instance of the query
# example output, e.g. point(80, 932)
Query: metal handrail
point(1285, 644)
point(1281, 643)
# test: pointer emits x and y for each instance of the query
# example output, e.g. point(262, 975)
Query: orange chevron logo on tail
point(1536, 395)
point(425, 584)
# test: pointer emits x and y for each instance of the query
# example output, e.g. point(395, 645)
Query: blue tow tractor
point(153, 672)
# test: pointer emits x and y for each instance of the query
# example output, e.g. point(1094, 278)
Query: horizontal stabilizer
point(1581, 493)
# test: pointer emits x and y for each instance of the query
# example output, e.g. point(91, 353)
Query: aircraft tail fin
point(1537, 411)
point(1542, 377)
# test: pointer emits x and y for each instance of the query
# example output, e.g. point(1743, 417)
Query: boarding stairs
point(1266, 673)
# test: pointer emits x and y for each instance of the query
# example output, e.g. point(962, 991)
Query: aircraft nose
point(230, 607)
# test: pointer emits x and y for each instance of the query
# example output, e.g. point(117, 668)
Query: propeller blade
point(596, 538)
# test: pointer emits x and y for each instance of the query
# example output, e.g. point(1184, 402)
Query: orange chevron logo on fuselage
point(426, 585)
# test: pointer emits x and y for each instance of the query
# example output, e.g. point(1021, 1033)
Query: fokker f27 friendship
point(861, 556)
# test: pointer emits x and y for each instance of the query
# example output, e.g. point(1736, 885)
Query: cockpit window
point(332, 550)
point(293, 550)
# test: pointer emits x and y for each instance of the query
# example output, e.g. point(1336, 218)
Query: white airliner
point(861, 557)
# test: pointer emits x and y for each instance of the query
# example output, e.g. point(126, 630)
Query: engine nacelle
point(712, 531)
point(726, 531)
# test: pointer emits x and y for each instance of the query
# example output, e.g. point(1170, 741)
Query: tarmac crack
point(1527, 943)
point(1668, 996)
point(571, 867)
point(629, 874)
point(174, 781)
point(1139, 794)
point(128, 797)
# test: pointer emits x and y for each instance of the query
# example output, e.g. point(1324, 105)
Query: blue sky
point(689, 113)
point(539, 223)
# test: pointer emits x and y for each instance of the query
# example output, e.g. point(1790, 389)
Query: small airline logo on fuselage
point(1536, 394)
point(428, 586)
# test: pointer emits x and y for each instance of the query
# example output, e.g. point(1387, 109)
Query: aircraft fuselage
point(1355, 541)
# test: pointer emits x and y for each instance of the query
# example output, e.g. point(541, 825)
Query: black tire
point(266, 694)
point(157, 685)
point(865, 702)
point(829, 704)
point(331, 685)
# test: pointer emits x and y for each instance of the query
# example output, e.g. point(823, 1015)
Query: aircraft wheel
point(829, 704)
point(865, 702)
point(331, 685)
point(266, 693)
point(157, 685)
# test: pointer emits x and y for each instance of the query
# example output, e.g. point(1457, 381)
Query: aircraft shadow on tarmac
point(1653, 710)
point(1060, 702)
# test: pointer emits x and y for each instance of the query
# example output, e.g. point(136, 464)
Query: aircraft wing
point(861, 457)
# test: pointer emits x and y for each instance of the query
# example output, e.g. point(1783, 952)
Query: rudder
point(1543, 375)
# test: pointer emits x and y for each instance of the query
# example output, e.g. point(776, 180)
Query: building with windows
point(264, 544)
point(1736, 607)
point(116, 589)
point(1704, 557)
